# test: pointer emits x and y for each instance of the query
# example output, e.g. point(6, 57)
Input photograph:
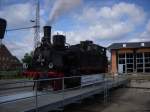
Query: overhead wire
point(22, 28)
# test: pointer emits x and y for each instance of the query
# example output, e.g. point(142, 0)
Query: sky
point(102, 21)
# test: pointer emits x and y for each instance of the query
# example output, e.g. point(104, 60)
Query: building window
point(147, 61)
point(121, 61)
point(129, 55)
point(125, 62)
point(139, 62)
point(129, 62)
point(139, 55)
point(122, 55)
point(142, 44)
point(147, 54)
point(124, 45)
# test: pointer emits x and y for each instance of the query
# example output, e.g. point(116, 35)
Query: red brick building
point(7, 60)
point(130, 57)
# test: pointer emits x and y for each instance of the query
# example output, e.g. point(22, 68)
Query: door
point(120, 68)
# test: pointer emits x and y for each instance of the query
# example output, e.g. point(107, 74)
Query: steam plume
point(60, 7)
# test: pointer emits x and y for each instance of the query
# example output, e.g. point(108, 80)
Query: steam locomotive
point(58, 59)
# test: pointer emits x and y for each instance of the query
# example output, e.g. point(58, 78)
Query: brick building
point(7, 60)
point(130, 57)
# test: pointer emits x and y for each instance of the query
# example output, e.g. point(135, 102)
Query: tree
point(27, 59)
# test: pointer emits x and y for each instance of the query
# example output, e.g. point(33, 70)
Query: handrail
point(104, 81)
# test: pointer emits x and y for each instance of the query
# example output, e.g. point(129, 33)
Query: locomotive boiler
point(58, 59)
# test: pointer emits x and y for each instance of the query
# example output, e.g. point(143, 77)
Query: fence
point(62, 92)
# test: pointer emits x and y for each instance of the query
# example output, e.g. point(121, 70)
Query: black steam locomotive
point(59, 59)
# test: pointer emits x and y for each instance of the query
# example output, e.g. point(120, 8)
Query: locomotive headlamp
point(50, 65)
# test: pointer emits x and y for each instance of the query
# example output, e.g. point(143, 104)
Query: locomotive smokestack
point(47, 33)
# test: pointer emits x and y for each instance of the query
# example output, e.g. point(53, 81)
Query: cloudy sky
point(102, 21)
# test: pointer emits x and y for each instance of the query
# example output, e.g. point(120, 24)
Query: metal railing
point(105, 81)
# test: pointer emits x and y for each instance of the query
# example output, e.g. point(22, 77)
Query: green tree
point(27, 59)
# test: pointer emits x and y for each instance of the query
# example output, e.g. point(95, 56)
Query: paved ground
point(140, 84)
point(133, 100)
point(122, 100)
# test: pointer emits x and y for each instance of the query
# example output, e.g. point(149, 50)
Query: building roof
point(129, 45)
point(7, 60)
point(4, 51)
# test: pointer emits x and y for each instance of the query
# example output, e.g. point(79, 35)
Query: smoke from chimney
point(60, 7)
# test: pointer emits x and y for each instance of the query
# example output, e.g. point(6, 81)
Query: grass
point(16, 74)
